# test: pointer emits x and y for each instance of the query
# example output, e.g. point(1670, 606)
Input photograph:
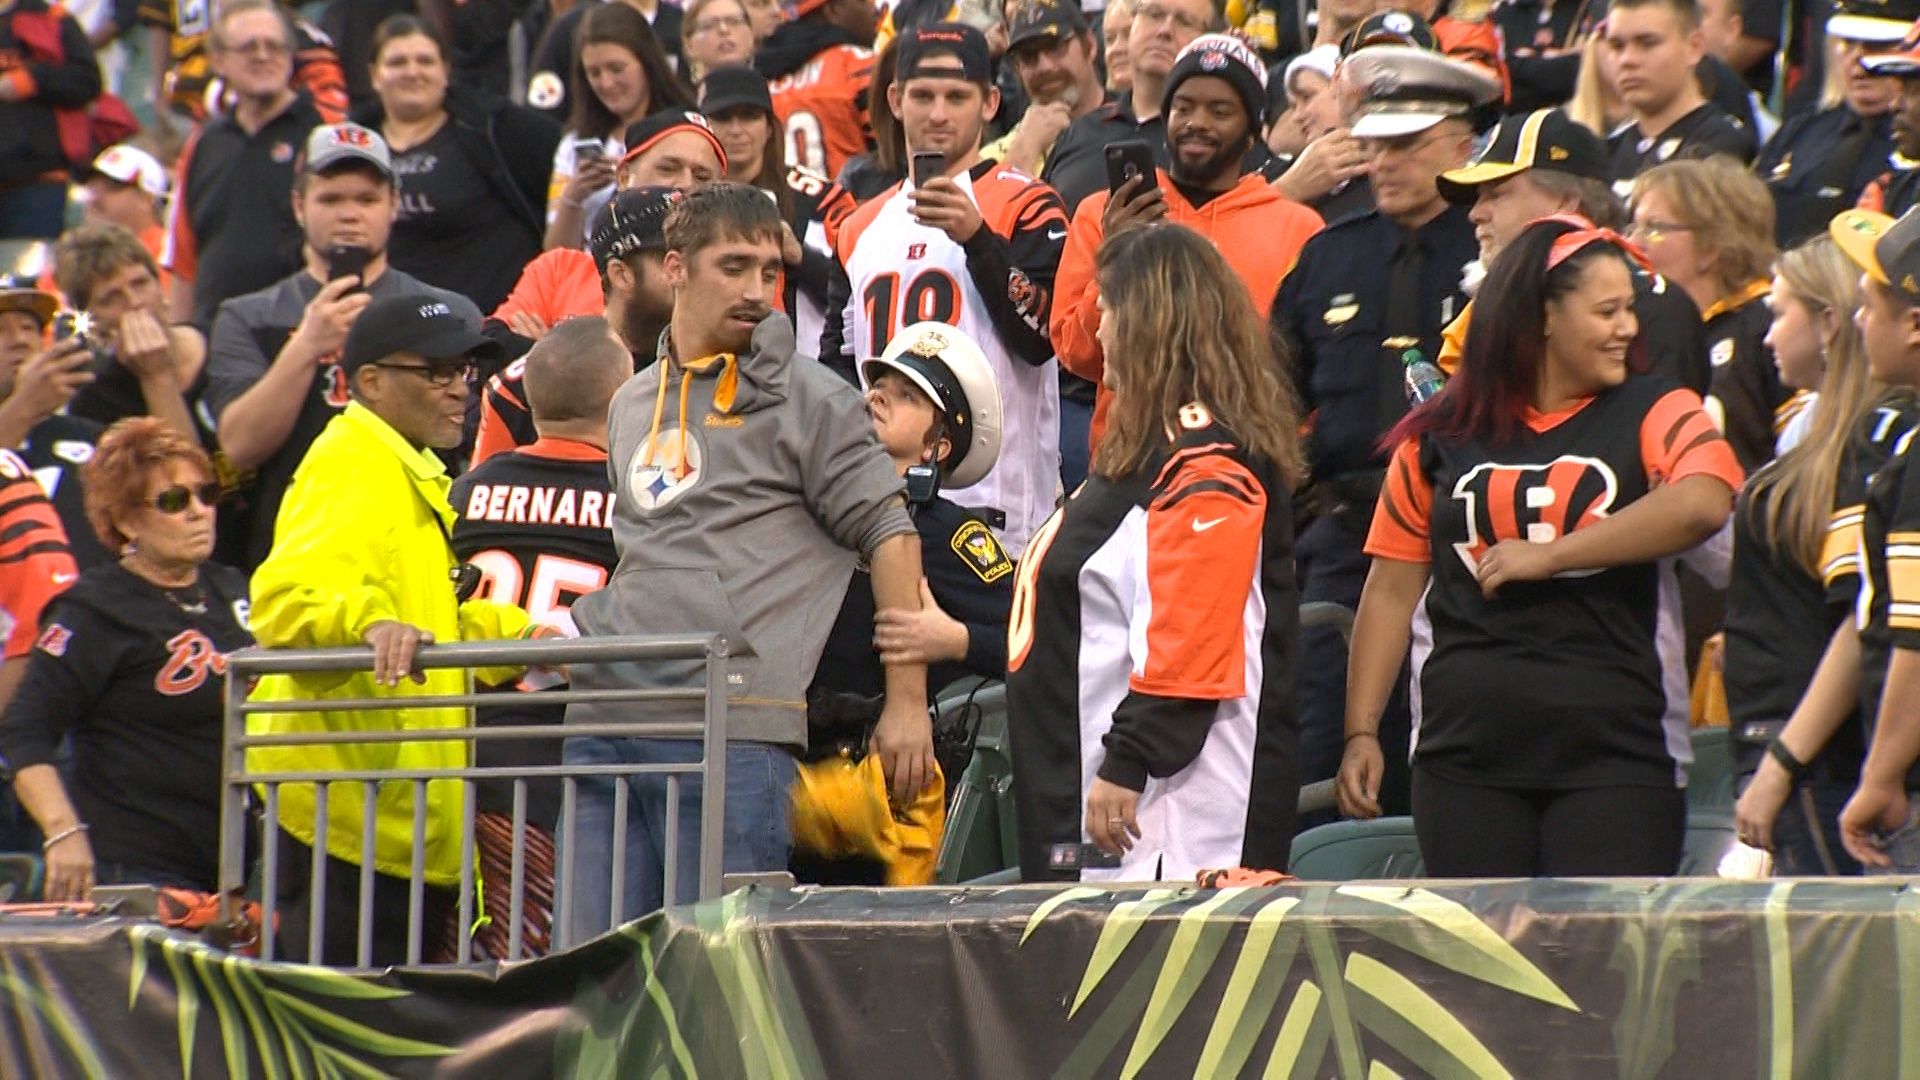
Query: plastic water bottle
point(1423, 377)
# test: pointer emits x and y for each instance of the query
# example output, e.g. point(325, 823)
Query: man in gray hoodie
point(747, 485)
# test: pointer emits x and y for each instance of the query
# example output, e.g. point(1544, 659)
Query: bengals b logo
point(1537, 503)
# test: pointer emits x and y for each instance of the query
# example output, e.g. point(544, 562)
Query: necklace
point(191, 598)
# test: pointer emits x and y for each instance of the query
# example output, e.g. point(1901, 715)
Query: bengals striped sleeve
point(1203, 534)
point(35, 562)
point(1678, 439)
point(1402, 522)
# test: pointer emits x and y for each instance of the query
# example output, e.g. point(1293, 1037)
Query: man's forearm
point(896, 585)
point(1896, 737)
point(257, 424)
point(161, 392)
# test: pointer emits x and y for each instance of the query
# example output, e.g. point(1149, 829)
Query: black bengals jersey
point(1494, 706)
point(537, 521)
point(1780, 616)
point(135, 674)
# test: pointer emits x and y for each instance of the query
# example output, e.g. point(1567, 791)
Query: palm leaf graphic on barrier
point(284, 1018)
point(1342, 997)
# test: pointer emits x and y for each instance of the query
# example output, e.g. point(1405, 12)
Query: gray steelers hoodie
point(745, 490)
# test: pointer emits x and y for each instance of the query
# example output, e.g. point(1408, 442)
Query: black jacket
point(511, 146)
point(29, 129)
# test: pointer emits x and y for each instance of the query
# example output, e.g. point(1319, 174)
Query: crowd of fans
point(1076, 346)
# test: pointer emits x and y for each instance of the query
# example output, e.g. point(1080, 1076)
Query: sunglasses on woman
point(174, 499)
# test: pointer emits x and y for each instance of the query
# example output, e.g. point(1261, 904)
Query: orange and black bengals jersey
point(822, 107)
point(36, 564)
point(1555, 683)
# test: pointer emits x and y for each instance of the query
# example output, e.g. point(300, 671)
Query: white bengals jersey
point(899, 272)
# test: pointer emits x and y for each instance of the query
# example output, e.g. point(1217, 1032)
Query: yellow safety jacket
point(364, 535)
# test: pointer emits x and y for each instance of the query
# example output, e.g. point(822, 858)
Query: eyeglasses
point(257, 47)
point(1154, 13)
point(174, 499)
point(1655, 231)
point(720, 22)
point(1401, 144)
point(438, 375)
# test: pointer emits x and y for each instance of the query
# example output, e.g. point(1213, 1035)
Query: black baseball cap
point(418, 323)
point(643, 134)
point(918, 49)
point(1546, 139)
point(633, 220)
point(1390, 28)
point(732, 87)
point(1887, 249)
point(1045, 20)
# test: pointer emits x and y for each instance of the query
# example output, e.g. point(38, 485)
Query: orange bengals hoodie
point(1258, 230)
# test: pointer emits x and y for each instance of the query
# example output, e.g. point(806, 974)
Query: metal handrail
point(244, 666)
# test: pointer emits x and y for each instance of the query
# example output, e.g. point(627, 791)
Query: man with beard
point(629, 245)
point(1368, 297)
point(1897, 190)
point(274, 378)
point(1052, 50)
point(975, 247)
point(747, 484)
point(819, 66)
point(1215, 105)
point(1161, 28)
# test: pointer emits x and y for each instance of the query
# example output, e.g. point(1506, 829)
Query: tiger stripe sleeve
point(1402, 520)
point(1678, 440)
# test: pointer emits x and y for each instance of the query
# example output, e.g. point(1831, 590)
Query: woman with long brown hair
point(1155, 627)
point(1796, 571)
point(1525, 512)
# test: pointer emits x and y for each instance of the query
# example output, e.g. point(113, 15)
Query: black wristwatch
point(1778, 751)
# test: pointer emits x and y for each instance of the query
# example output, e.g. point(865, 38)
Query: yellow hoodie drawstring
point(724, 392)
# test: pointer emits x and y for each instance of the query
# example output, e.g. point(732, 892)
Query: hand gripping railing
point(247, 665)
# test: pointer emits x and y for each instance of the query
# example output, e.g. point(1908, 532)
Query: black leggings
point(1470, 831)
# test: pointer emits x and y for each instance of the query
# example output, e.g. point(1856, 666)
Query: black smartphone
point(1126, 160)
point(345, 261)
point(71, 324)
point(928, 164)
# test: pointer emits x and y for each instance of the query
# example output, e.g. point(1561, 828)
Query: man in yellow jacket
point(362, 555)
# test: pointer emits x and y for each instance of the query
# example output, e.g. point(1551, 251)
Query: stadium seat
point(1357, 850)
point(21, 876)
point(980, 837)
point(1386, 848)
point(1710, 777)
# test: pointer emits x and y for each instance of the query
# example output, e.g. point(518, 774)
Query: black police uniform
point(1539, 82)
point(1705, 131)
point(1818, 164)
point(1333, 310)
point(971, 577)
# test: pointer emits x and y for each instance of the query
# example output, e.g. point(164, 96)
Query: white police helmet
point(949, 368)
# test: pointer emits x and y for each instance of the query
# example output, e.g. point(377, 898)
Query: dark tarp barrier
point(1547, 978)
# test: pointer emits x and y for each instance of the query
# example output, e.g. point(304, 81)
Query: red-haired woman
point(131, 663)
point(1528, 504)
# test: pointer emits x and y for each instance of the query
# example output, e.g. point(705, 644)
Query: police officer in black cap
point(1898, 188)
point(936, 411)
point(1543, 163)
point(1822, 159)
point(1370, 295)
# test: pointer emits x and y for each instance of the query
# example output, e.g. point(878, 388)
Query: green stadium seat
point(980, 838)
point(1357, 851)
point(21, 876)
point(1710, 778)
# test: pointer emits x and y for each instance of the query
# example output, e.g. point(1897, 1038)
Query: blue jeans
point(1076, 421)
point(1806, 833)
point(758, 830)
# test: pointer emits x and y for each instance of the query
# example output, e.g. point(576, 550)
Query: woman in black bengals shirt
point(131, 661)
